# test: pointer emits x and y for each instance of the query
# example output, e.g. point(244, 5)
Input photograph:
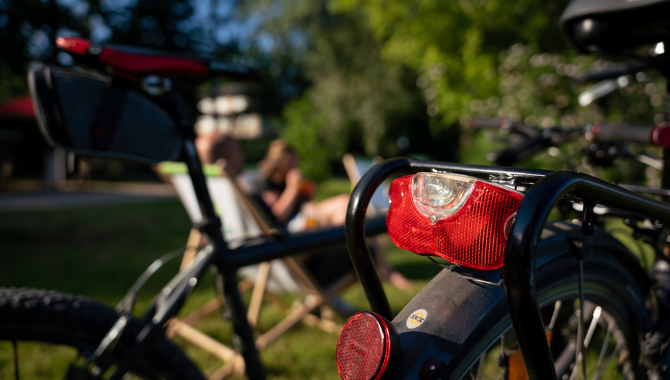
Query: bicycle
point(512, 271)
point(137, 111)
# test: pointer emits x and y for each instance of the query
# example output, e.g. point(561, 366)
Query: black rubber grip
point(614, 73)
point(622, 132)
point(525, 150)
point(487, 122)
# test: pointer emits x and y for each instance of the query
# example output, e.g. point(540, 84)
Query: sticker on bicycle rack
point(417, 318)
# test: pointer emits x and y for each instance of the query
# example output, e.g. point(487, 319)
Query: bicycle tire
point(473, 316)
point(81, 323)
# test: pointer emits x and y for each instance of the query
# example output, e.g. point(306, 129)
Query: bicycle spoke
point(603, 350)
point(592, 327)
point(480, 368)
point(580, 326)
point(609, 360)
point(502, 350)
point(587, 341)
point(554, 316)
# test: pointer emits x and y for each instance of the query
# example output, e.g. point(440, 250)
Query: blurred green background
point(384, 78)
point(388, 78)
point(99, 252)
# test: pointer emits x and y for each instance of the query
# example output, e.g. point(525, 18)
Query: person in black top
point(287, 194)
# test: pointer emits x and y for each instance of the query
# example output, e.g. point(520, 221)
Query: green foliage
point(454, 44)
point(355, 101)
point(500, 59)
point(305, 132)
point(353, 89)
point(539, 88)
point(28, 29)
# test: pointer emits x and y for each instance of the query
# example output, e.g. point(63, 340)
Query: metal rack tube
point(360, 198)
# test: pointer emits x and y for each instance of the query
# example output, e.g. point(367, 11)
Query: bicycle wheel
point(470, 318)
point(52, 329)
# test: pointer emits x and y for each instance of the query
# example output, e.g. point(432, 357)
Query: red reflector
point(474, 236)
point(365, 346)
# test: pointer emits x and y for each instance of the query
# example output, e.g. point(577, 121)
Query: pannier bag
point(93, 116)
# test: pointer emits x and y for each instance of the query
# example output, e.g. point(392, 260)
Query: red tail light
point(458, 218)
point(366, 346)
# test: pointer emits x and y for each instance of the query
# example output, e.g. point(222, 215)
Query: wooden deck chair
point(379, 203)
point(355, 168)
point(241, 220)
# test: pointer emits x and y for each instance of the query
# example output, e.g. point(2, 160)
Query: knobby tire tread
point(51, 316)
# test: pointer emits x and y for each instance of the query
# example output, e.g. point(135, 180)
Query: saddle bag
point(94, 116)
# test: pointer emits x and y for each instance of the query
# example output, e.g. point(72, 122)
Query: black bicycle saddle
point(614, 26)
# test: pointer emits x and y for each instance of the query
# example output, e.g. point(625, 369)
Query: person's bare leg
point(332, 211)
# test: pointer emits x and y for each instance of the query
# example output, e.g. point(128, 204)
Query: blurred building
point(236, 109)
point(230, 109)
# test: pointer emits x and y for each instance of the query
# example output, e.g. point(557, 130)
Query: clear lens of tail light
point(461, 219)
point(438, 196)
point(366, 346)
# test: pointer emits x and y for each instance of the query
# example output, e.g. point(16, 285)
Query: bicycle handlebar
point(526, 149)
point(488, 123)
point(613, 73)
point(509, 125)
point(658, 135)
point(536, 139)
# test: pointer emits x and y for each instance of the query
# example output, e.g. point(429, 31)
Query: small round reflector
point(366, 344)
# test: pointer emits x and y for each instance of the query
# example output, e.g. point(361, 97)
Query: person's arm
point(284, 204)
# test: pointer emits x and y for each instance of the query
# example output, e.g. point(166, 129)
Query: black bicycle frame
point(522, 251)
point(360, 197)
point(227, 261)
point(546, 188)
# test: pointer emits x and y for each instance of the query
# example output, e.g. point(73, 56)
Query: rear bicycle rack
point(545, 190)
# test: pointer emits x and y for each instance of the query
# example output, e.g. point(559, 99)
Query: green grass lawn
point(100, 251)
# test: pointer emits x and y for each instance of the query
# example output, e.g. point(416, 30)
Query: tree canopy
point(373, 77)
point(28, 29)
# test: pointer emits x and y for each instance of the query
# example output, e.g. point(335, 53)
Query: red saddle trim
point(136, 63)
point(73, 44)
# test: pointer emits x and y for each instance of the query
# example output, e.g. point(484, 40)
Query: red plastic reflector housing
point(366, 345)
point(461, 219)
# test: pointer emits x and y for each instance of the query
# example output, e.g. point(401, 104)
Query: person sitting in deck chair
point(284, 192)
point(223, 150)
point(287, 194)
